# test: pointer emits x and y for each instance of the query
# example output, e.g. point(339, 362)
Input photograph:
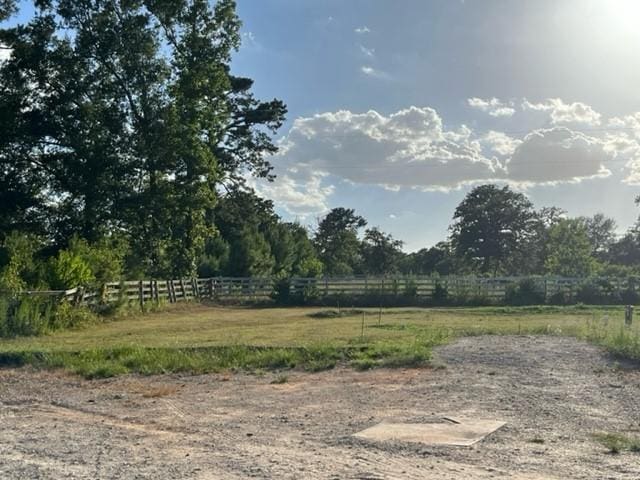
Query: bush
point(410, 289)
point(525, 292)
point(30, 315)
point(597, 292)
point(87, 264)
point(440, 294)
point(282, 291)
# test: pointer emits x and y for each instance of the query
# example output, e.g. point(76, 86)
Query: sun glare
point(621, 16)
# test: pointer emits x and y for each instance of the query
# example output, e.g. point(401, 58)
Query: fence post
point(211, 288)
point(141, 293)
point(170, 291)
point(103, 294)
point(79, 296)
point(194, 282)
point(184, 292)
point(628, 315)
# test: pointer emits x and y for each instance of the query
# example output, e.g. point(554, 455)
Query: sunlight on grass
point(199, 339)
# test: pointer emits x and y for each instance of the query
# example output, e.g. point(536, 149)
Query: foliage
point(83, 264)
point(490, 225)
point(125, 117)
point(616, 442)
point(18, 267)
point(525, 292)
point(569, 250)
point(337, 243)
point(438, 259)
point(381, 253)
point(32, 315)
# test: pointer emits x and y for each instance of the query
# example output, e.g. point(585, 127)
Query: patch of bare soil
point(554, 393)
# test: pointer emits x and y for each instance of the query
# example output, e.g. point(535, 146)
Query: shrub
point(87, 264)
point(410, 289)
point(440, 294)
point(596, 292)
point(17, 265)
point(525, 292)
point(282, 291)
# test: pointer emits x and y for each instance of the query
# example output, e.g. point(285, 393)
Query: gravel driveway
point(554, 393)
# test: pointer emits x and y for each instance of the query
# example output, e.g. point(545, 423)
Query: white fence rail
point(493, 289)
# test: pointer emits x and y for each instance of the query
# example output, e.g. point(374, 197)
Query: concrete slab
point(458, 432)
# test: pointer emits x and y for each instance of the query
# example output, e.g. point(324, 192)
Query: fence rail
point(423, 289)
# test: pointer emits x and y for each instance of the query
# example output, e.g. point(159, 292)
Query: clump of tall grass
point(31, 315)
point(101, 362)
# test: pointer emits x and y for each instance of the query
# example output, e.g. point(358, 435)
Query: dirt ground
point(556, 391)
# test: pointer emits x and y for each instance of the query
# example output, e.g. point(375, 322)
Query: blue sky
point(563, 75)
point(397, 108)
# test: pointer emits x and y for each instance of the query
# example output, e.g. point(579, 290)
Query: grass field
point(200, 338)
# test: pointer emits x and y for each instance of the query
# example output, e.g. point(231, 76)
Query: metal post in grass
point(628, 315)
point(362, 331)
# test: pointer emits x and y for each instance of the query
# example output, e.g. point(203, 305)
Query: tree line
point(125, 148)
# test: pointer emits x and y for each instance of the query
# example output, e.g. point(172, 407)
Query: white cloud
point(373, 72)
point(367, 52)
point(407, 149)
point(500, 143)
point(558, 155)
point(298, 196)
point(493, 106)
point(564, 113)
point(361, 30)
point(412, 148)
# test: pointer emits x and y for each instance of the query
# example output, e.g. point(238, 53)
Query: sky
point(397, 108)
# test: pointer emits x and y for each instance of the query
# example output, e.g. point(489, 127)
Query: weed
point(616, 442)
point(279, 379)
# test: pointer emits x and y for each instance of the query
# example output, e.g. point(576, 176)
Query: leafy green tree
point(437, 259)
point(491, 225)
point(124, 117)
point(7, 8)
point(337, 242)
point(569, 250)
point(18, 262)
point(381, 253)
point(601, 231)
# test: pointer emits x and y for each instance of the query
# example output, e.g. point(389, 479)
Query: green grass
point(198, 338)
point(616, 442)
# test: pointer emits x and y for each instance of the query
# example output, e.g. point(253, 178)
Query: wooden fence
point(420, 289)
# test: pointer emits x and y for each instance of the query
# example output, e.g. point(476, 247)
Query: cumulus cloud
point(500, 143)
point(563, 113)
point(412, 148)
point(492, 106)
point(302, 196)
point(361, 30)
point(558, 155)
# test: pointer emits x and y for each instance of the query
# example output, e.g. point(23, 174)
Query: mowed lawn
point(195, 325)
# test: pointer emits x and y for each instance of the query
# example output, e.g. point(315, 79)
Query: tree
point(437, 259)
point(569, 250)
point(490, 225)
point(381, 253)
point(626, 250)
point(124, 117)
point(601, 231)
point(7, 8)
point(337, 243)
